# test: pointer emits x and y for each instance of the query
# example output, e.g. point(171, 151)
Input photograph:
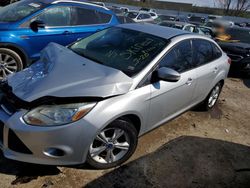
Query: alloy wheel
point(214, 96)
point(110, 146)
point(8, 65)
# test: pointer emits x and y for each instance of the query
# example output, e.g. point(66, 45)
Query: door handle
point(189, 81)
point(67, 32)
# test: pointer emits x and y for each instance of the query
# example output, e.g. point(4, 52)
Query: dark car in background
point(162, 18)
point(236, 43)
point(197, 20)
point(7, 2)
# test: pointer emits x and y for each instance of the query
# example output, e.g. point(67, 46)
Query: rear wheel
point(212, 98)
point(113, 145)
point(10, 62)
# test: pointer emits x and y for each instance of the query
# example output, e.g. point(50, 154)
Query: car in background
point(116, 10)
point(176, 18)
point(124, 19)
point(26, 27)
point(7, 2)
point(124, 9)
point(207, 31)
point(98, 3)
point(123, 82)
point(140, 16)
point(213, 17)
point(243, 24)
point(197, 20)
point(236, 43)
point(219, 23)
point(153, 15)
point(147, 9)
point(185, 26)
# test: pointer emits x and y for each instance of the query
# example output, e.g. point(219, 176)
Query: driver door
point(169, 99)
point(57, 29)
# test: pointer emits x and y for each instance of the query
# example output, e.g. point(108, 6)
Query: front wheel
point(10, 62)
point(113, 145)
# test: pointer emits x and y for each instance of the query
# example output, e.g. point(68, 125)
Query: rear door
point(206, 59)
point(169, 99)
point(87, 21)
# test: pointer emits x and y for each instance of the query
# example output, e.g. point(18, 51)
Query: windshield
point(18, 11)
point(126, 50)
point(132, 14)
point(241, 35)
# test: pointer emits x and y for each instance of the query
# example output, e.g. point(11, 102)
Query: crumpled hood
point(62, 73)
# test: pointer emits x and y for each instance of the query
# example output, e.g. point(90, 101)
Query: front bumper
point(33, 144)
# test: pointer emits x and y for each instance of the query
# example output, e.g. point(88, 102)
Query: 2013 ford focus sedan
point(90, 102)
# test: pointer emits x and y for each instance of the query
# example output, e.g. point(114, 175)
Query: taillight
point(229, 61)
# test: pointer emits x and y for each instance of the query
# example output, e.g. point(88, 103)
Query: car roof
point(70, 1)
point(154, 29)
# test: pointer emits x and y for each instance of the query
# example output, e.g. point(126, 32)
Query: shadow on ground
point(244, 78)
point(25, 172)
point(246, 82)
point(185, 162)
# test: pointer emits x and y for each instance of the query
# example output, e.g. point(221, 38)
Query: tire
point(10, 62)
point(101, 160)
point(206, 104)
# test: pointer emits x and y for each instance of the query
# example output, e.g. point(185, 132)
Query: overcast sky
point(209, 3)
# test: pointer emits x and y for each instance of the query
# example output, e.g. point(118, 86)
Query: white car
point(140, 17)
point(124, 9)
point(153, 15)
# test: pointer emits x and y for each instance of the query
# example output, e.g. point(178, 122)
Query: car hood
point(62, 73)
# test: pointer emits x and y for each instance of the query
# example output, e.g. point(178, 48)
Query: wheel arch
point(18, 50)
point(131, 117)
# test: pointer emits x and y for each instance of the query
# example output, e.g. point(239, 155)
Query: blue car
point(27, 26)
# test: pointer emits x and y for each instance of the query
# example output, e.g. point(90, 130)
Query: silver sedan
point(90, 102)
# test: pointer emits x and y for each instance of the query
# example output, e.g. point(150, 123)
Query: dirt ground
point(198, 149)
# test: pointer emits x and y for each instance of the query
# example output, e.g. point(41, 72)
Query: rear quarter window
point(82, 16)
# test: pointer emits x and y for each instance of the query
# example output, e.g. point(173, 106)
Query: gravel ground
point(198, 149)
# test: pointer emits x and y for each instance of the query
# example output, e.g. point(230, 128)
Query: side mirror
point(167, 74)
point(35, 25)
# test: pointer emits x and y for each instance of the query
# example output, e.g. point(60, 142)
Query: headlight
point(53, 115)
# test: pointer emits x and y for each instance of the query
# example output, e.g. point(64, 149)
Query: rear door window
point(82, 16)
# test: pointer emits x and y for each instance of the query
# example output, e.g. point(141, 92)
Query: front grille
point(1, 131)
point(15, 144)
